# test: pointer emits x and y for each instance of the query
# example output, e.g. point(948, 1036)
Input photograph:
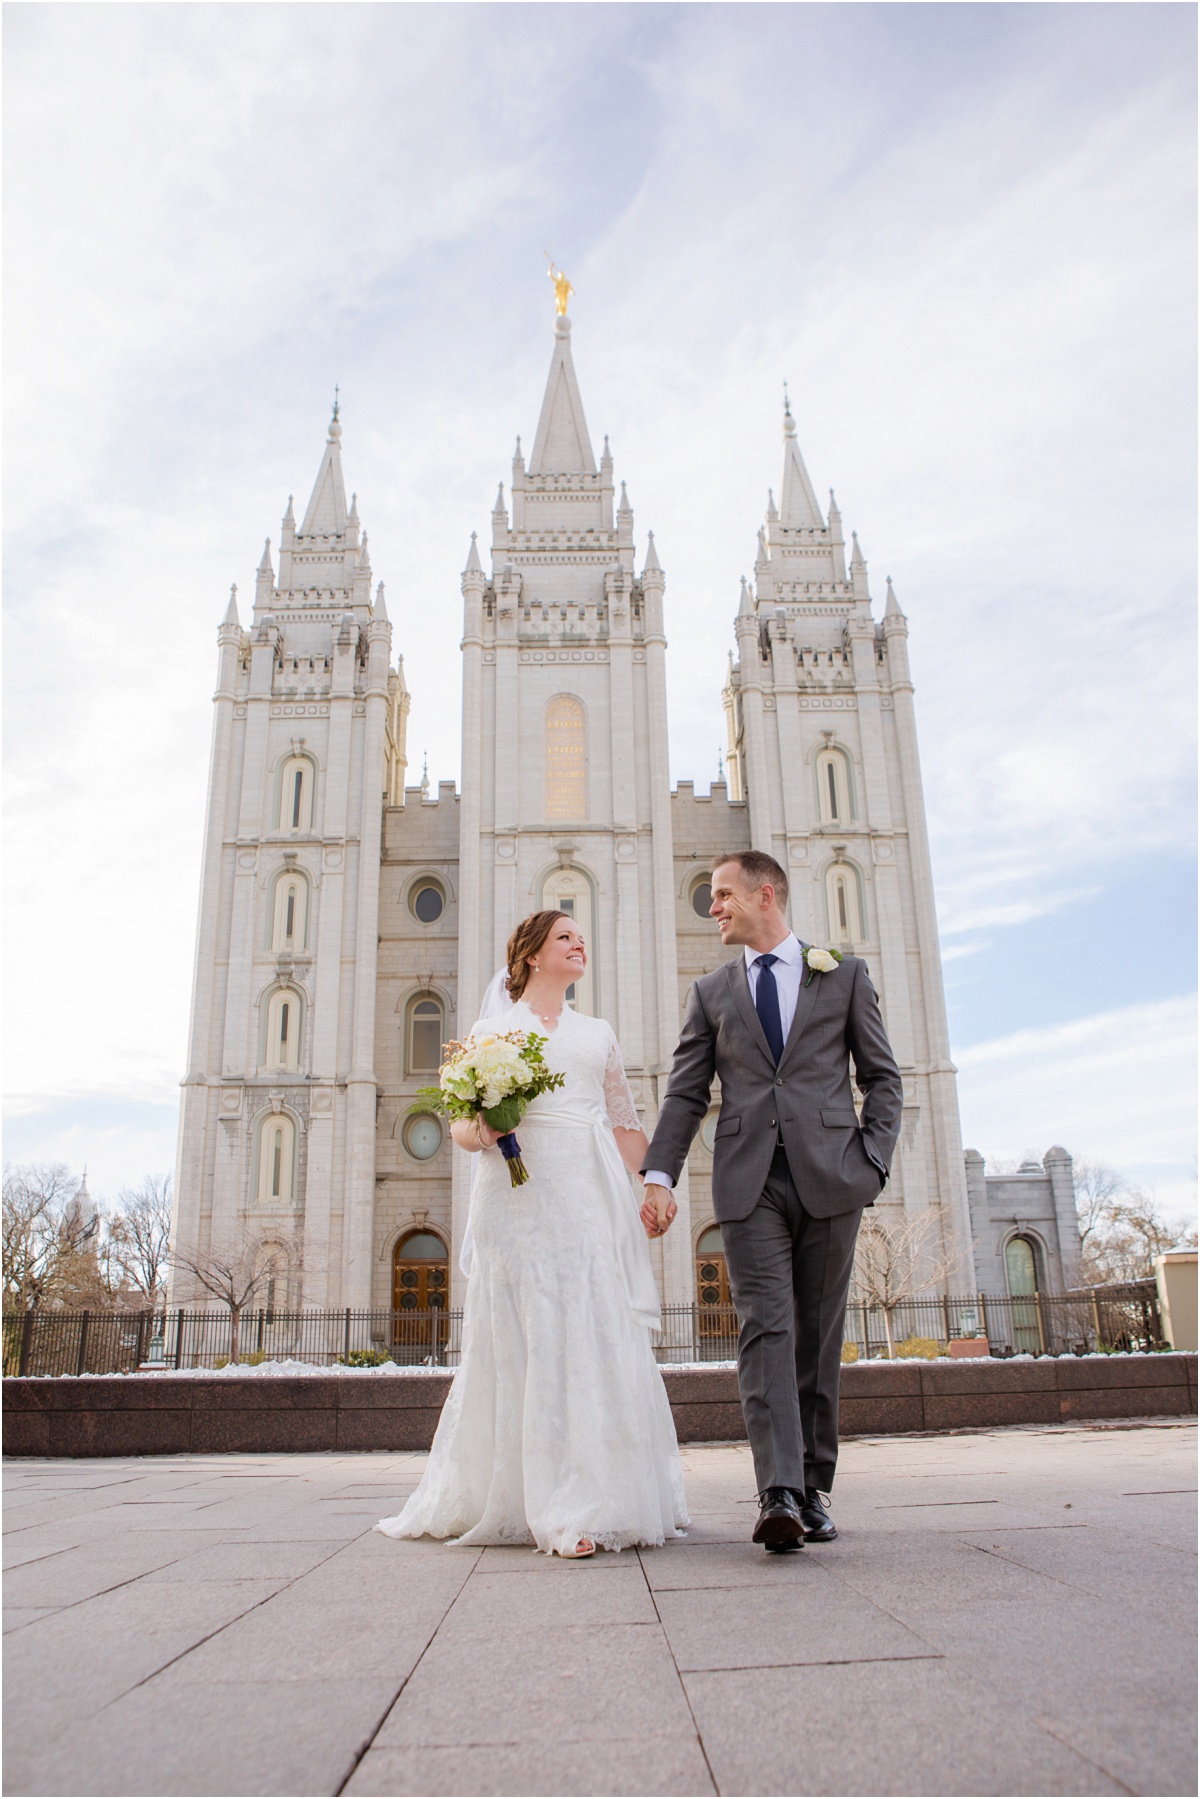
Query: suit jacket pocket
point(727, 1127)
point(840, 1115)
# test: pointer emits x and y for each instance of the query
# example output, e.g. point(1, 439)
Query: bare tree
point(1098, 1188)
point(1132, 1233)
point(1121, 1228)
point(139, 1236)
point(895, 1262)
point(234, 1273)
point(51, 1236)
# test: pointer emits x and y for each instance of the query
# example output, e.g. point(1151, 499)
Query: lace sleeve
point(619, 1102)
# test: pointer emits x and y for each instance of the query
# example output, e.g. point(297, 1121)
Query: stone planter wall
point(166, 1414)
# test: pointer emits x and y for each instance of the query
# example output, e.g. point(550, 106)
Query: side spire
point(231, 611)
point(651, 564)
point(327, 514)
point(798, 509)
point(562, 445)
point(474, 566)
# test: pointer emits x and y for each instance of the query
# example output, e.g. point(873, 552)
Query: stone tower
point(277, 1130)
point(566, 795)
point(823, 748)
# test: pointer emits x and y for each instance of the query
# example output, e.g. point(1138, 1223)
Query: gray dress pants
point(789, 1275)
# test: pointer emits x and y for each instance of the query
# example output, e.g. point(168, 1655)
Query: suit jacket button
point(779, 1081)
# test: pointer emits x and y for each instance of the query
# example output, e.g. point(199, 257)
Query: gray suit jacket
point(837, 1164)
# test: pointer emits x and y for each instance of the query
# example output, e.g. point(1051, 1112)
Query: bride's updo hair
point(525, 942)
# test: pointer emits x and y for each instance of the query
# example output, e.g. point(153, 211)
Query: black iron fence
point(1079, 1322)
point(46, 1341)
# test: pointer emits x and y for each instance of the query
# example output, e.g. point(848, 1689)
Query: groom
point(793, 1168)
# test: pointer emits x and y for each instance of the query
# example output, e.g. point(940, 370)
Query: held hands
point(658, 1211)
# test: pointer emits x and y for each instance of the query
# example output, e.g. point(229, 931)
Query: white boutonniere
point(820, 961)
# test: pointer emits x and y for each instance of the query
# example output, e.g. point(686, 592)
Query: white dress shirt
point(788, 969)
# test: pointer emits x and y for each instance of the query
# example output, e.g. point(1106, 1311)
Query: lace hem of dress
point(613, 1541)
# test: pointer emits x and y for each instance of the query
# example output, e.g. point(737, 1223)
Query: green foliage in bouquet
point(494, 1077)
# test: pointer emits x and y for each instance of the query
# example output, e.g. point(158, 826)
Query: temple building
point(349, 923)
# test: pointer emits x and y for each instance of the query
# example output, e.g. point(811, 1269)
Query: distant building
point(349, 924)
point(1026, 1229)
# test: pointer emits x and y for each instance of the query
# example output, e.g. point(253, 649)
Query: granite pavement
point(1006, 1611)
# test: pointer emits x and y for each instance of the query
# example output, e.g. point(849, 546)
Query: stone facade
point(349, 924)
point(1035, 1205)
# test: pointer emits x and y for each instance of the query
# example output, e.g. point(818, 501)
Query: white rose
point(822, 961)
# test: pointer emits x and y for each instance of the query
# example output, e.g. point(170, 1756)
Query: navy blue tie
point(766, 1004)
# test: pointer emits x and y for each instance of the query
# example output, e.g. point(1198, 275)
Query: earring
point(536, 966)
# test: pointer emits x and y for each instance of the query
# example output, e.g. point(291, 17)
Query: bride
point(557, 1430)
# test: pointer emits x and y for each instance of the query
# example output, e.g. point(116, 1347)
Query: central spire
point(562, 445)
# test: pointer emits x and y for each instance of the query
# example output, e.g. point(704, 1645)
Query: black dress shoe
point(780, 1526)
point(814, 1514)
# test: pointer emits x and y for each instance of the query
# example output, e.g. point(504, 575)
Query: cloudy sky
point(962, 233)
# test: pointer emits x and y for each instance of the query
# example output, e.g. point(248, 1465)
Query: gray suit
point(792, 1170)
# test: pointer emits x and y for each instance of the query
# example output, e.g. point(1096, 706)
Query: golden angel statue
point(562, 287)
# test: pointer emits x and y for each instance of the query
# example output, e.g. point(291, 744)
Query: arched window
point(284, 1019)
point(424, 1034)
point(289, 923)
point(277, 1160)
point(843, 903)
point(569, 890)
point(1021, 1267)
point(835, 792)
point(566, 758)
point(420, 1293)
point(296, 795)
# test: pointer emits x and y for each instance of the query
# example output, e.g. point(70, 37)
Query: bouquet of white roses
point(493, 1075)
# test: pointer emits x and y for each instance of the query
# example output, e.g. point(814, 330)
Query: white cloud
point(1118, 1087)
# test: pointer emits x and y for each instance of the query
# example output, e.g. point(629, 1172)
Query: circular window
point(423, 1136)
point(427, 901)
point(708, 1131)
point(702, 898)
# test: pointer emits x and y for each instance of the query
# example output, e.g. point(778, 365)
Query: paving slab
point(814, 1618)
point(880, 1728)
point(659, 1765)
point(232, 1624)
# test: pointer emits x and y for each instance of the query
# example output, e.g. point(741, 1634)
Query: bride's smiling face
point(563, 956)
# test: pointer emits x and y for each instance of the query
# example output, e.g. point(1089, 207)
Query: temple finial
point(562, 287)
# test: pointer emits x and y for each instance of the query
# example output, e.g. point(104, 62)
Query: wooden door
point(420, 1288)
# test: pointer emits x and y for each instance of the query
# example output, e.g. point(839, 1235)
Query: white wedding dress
point(557, 1425)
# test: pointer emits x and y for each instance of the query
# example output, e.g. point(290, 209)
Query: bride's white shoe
point(581, 1551)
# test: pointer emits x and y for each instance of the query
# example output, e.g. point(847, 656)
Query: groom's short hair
point(757, 869)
